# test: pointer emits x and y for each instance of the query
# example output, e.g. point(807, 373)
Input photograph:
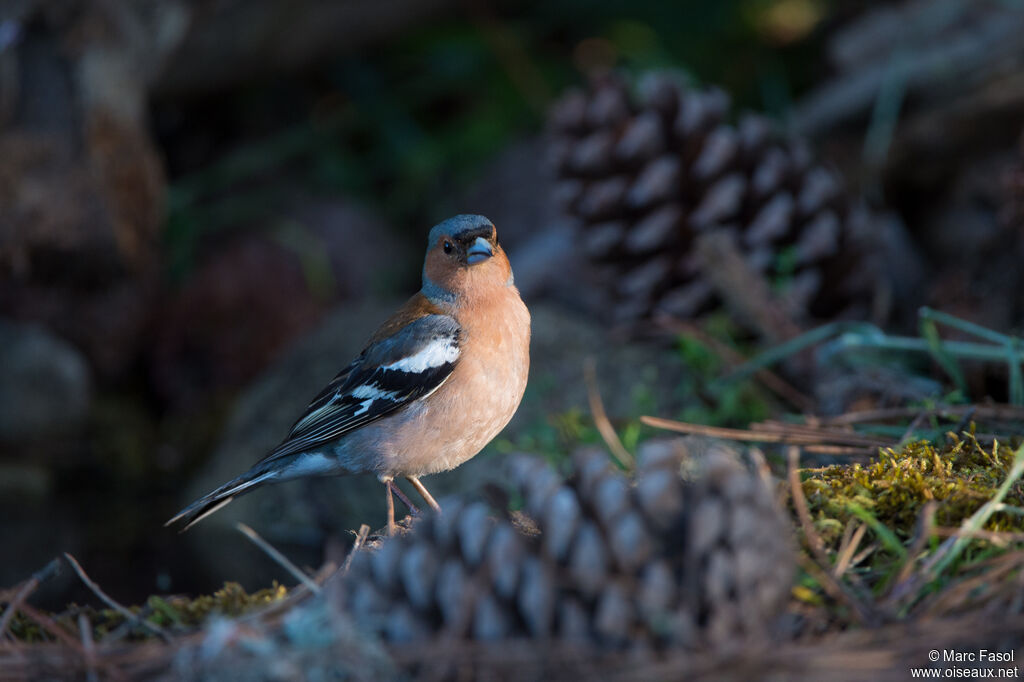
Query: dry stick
point(995, 570)
point(797, 437)
point(293, 597)
point(819, 433)
point(840, 450)
point(48, 624)
point(831, 584)
point(996, 537)
point(27, 589)
point(604, 426)
point(998, 412)
point(770, 380)
point(106, 599)
point(847, 549)
point(745, 290)
point(864, 554)
point(24, 591)
point(85, 629)
point(278, 557)
point(364, 532)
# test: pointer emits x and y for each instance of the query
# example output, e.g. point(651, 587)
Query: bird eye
point(447, 247)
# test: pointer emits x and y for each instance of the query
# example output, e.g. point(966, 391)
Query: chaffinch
point(436, 382)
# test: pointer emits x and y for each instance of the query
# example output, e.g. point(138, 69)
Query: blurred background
point(206, 207)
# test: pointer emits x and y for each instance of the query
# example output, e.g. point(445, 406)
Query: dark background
point(199, 199)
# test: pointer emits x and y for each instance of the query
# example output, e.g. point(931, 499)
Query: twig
point(128, 615)
point(847, 549)
point(839, 450)
point(998, 412)
point(819, 433)
point(604, 426)
point(45, 573)
point(998, 538)
point(745, 290)
point(51, 626)
point(364, 532)
point(989, 574)
point(814, 540)
point(860, 609)
point(85, 630)
point(769, 433)
point(278, 557)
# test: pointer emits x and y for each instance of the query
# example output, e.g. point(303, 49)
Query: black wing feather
point(369, 389)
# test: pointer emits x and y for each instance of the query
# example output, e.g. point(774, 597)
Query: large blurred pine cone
point(660, 560)
point(646, 174)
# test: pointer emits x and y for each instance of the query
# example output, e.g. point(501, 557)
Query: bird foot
point(400, 527)
point(405, 500)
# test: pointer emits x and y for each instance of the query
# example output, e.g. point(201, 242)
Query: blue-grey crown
point(456, 226)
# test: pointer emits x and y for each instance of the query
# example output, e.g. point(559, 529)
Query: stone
point(45, 384)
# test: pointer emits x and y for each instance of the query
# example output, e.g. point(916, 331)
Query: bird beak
point(479, 251)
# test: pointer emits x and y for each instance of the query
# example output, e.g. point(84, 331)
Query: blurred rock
point(232, 316)
point(81, 184)
point(297, 515)
point(257, 291)
point(45, 384)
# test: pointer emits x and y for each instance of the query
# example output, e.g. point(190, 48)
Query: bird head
point(464, 259)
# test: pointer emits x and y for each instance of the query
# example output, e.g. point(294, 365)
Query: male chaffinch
point(436, 382)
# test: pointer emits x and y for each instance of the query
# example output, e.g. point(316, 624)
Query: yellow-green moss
point(960, 476)
point(165, 612)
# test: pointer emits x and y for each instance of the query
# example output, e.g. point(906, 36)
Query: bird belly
point(454, 423)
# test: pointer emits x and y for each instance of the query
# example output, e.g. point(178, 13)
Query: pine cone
point(645, 176)
point(655, 561)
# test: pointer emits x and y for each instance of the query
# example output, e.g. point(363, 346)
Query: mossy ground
point(175, 612)
point(960, 476)
point(868, 518)
point(923, 529)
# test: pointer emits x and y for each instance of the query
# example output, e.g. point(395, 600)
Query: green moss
point(230, 600)
point(166, 612)
point(960, 476)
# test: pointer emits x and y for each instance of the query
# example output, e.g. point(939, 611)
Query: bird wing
point(390, 373)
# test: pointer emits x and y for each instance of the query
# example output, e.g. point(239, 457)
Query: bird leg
point(424, 493)
point(405, 500)
point(389, 488)
point(391, 508)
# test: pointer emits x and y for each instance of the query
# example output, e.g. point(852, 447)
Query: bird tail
point(211, 502)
